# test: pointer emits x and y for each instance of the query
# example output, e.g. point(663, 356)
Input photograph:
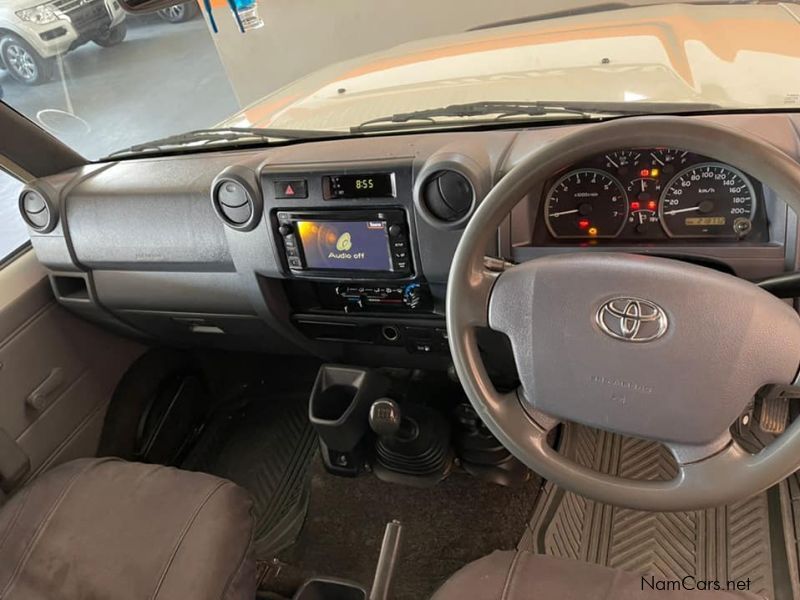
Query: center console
point(346, 243)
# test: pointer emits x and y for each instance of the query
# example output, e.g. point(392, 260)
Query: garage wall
point(304, 35)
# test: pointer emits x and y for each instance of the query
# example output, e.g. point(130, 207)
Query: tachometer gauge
point(586, 203)
point(708, 200)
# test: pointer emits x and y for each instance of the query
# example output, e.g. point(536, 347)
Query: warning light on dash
point(635, 205)
point(592, 231)
point(652, 205)
point(654, 172)
point(583, 223)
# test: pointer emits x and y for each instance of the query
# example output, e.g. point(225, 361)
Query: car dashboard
point(342, 248)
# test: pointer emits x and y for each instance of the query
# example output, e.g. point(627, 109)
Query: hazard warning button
point(296, 188)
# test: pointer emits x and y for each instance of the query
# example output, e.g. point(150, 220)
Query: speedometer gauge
point(708, 200)
point(586, 203)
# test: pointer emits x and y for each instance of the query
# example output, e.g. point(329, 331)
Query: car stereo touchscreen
point(366, 244)
point(345, 245)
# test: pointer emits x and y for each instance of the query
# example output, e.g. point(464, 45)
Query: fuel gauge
point(643, 194)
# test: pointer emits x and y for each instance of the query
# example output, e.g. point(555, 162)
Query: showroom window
point(13, 231)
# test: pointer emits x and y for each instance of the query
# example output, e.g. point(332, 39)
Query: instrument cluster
point(653, 194)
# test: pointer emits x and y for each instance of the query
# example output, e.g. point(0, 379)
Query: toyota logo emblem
point(632, 319)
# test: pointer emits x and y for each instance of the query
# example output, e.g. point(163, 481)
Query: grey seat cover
point(526, 576)
point(105, 528)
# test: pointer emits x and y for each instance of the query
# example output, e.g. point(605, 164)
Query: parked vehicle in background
point(32, 33)
point(180, 13)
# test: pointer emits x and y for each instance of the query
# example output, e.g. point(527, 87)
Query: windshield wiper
point(501, 109)
point(472, 109)
point(203, 137)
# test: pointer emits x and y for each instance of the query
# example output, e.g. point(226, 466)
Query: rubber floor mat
point(459, 520)
point(266, 446)
point(790, 504)
point(728, 543)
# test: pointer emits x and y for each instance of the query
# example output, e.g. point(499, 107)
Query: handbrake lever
point(387, 562)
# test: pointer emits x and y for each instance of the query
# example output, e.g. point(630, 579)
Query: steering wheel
point(642, 346)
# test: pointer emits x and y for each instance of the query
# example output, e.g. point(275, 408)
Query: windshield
point(105, 82)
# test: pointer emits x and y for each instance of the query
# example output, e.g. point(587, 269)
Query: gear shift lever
point(412, 448)
point(385, 417)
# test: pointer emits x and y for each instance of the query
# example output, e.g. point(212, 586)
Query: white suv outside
point(33, 33)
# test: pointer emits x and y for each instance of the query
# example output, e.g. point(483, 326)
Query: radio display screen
point(374, 185)
point(345, 245)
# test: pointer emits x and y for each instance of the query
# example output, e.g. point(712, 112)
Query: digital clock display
point(373, 185)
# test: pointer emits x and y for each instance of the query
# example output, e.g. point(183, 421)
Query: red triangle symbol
point(289, 190)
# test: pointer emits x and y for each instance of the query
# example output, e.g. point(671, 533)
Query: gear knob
point(385, 417)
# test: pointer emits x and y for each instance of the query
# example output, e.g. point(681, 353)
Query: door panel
point(73, 366)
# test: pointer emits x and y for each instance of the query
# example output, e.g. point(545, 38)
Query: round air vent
point(234, 204)
point(448, 196)
point(36, 211)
